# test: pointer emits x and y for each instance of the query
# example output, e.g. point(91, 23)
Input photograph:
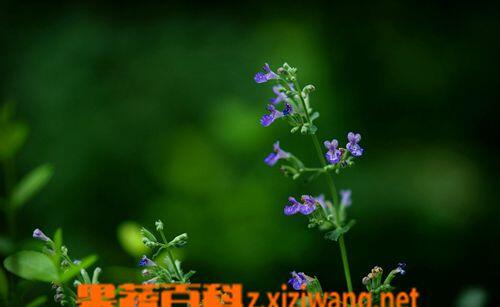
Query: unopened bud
point(159, 225)
point(179, 241)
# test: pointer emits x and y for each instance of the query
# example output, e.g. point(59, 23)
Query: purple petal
point(345, 198)
point(355, 149)
point(271, 159)
point(260, 77)
point(288, 109)
point(267, 120)
point(307, 209)
point(291, 210)
point(333, 157)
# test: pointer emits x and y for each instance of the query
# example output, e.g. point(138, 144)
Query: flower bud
point(308, 89)
point(366, 280)
point(179, 241)
point(38, 234)
point(159, 225)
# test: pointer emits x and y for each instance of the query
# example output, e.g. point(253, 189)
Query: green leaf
point(39, 301)
point(130, 238)
point(314, 116)
point(188, 275)
point(76, 268)
point(31, 265)
point(334, 235)
point(313, 286)
point(30, 185)
point(4, 284)
point(12, 138)
point(312, 129)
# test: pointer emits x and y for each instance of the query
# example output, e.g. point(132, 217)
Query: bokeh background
point(149, 111)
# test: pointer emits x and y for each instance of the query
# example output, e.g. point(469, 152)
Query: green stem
point(333, 190)
point(171, 256)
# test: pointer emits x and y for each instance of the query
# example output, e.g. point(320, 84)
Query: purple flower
point(333, 154)
point(298, 280)
point(293, 207)
point(262, 77)
point(308, 204)
point(145, 261)
point(38, 234)
point(278, 154)
point(268, 119)
point(280, 95)
point(345, 198)
point(353, 145)
point(401, 269)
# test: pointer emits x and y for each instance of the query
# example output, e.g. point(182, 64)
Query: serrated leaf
point(30, 185)
point(39, 301)
point(76, 268)
point(32, 265)
point(334, 235)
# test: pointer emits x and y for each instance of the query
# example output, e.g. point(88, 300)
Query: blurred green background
point(150, 111)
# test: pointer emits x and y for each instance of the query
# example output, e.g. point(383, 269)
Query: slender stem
point(171, 256)
point(333, 190)
point(345, 261)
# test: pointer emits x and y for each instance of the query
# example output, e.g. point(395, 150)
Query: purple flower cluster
point(268, 119)
point(307, 206)
point(278, 154)
point(334, 154)
point(279, 91)
point(298, 280)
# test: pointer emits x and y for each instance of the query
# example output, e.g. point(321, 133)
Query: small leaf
point(334, 235)
point(30, 185)
point(39, 301)
point(76, 268)
point(31, 265)
point(314, 116)
point(4, 284)
point(313, 286)
point(188, 275)
point(312, 129)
